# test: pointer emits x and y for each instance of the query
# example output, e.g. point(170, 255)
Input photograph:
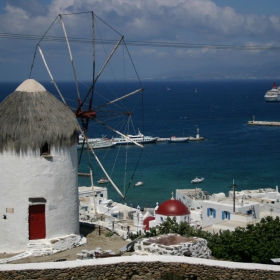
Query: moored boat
point(174, 139)
point(138, 184)
point(197, 180)
point(139, 138)
point(103, 181)
point(96, 143)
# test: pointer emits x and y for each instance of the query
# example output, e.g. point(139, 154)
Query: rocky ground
point(94, 240)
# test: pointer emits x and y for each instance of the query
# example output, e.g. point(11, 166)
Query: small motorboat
point(138, 184)
point(197, 180)
point(103, 181)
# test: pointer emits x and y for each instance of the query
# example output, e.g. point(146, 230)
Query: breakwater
point(263, 123)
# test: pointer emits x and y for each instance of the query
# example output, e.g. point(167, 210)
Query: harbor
point(164, 165)
point(97, 143)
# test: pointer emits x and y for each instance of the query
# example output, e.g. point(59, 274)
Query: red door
point(37, 223)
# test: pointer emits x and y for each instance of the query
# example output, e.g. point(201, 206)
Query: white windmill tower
point(39, 185)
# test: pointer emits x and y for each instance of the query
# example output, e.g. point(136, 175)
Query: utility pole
point(233, 186)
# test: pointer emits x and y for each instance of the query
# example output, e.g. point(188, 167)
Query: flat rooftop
point(193, 192)
point(229, 201)
point(89, 189)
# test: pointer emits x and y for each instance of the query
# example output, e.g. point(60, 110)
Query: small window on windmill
point(45, 150)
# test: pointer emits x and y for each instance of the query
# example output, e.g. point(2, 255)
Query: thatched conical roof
point(31, 116)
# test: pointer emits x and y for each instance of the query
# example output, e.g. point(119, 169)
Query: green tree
point(168, 226)
point(256, 243)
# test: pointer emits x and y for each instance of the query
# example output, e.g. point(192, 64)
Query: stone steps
point(39, 247)
point(17, 257)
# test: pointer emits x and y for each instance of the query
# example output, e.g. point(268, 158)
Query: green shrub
point(109, 234)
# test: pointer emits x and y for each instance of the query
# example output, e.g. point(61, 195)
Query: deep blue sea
point(220, 109)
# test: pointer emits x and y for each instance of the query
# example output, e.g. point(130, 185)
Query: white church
point(39, 203)
point(169, 208)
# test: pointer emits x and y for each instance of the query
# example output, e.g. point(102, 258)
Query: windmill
point(86, 110)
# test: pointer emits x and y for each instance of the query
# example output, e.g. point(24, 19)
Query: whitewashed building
point(220, 209)
point(38, 159)
point(219, 212)
point(193, 199)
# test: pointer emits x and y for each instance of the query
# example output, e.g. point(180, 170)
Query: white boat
point(103, 181)
point(168, 88)
point(273, 95)
point(197, 180)
point(96, 143)
point(174, 139)
point(139, 138)
point(138, 184)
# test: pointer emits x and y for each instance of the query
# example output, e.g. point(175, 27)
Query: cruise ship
point(273, 95)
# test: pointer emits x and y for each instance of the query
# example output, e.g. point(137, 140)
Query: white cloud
point(16, 12)
point(162, 54)
point(148, 51)
point(196, 20)
point(185, 21)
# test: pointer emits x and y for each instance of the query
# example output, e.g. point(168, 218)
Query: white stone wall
point(195, 247)
point(27, 176)
point(138, 259)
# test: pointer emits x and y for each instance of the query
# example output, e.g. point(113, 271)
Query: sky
point(165, 38)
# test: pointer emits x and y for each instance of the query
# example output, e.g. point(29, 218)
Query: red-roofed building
point(146, 222)
point(169, 208)
point(172, 207)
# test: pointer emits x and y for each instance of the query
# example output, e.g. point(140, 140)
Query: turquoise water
point(248, 154)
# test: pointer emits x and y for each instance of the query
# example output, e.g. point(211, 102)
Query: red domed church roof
point(146, 222)
point(172, 207)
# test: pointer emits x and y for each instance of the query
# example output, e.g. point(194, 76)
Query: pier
point(264, 123)
point(191, 138)
point(162, 139)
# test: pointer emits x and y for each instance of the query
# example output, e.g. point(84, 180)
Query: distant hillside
point(266, 71)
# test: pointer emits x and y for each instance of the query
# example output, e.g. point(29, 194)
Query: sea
point(232, 151)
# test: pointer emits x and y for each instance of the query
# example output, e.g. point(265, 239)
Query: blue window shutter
point(223, 215)
point(214, 213)
point(228, 215)
point(208, 212)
